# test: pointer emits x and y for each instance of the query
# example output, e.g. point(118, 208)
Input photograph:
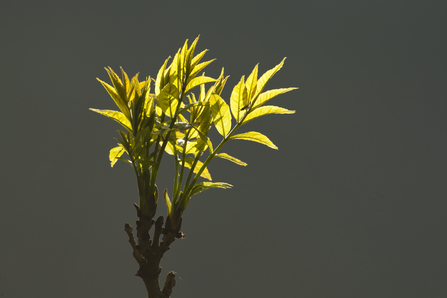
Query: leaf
point(135, 87)
point(189, 57)
point(238, 98)
point(265, 110)
point(199, 187)
point(231, 158)
point(115, 154)
point(189, 161)
point(119, 87)
point(159, 82)
point(220, 83)
point(204, 138)
point(198, 81)
point(199, 67)
point(125, 79)
point(221, 114)
point(251, 83)
point(173, 73)
point(169, 148)
point(168, 99)
point(115, 115)
point(182, 60)
point(255, 137)
point(267, 95)
point(168, 202)
point(195, 147)
point(198, 57)
point(267, 76)
point(120, 102)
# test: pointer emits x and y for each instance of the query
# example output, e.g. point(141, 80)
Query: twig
point(136, 254)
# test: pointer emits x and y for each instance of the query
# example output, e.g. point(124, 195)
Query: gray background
point(352, 204)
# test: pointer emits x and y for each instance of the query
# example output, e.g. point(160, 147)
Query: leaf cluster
point(177, 121)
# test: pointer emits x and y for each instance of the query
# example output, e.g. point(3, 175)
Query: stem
point(189, 187)
point(192, 168)
point(148, 255)
point(165, 142)
point(179, 186)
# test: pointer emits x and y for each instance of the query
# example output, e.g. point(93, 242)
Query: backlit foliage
point(175, 120)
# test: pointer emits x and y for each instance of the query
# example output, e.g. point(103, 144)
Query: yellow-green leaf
point(182, 59)
point(255, 137)
point(221, 114)
point(169, 148)
point(251, 83)
point(203, 138)
point(231, 158)
point(198, 81)
point(267, 95)
point(168, 202)
point(159, 82)
point(199, 187)
point(121, 103)
point(267, 76)
point(195, 146)
point(125, 80)
point(117, 83)
point(173, 74)
point(220, 83)
point(115, 115)
point(238, 98)
point(115, 154)
point(265, 110)
point(189, 162)
point(198, 57)
point(199, 67)
point(189, 57)
point(167, 100)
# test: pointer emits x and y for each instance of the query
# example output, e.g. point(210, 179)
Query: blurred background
point(352, 204)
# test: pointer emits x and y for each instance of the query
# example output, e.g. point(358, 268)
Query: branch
point(149, 253)
point(136, 254)
point(169, 284)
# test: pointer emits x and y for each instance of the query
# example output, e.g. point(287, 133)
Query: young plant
point(176, 121)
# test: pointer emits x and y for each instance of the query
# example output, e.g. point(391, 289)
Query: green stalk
point(165, 142)
point(183, 165)
point(176, 177)
point(196, 160)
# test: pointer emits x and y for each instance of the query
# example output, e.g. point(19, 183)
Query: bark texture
point(148, 253)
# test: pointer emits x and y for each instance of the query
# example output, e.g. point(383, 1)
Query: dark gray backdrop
point(352, 204)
